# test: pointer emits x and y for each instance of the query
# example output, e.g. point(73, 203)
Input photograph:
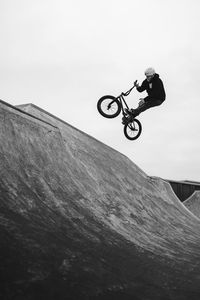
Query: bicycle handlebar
point(128, 92)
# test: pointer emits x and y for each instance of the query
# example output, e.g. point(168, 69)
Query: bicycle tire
point(108, 106)
point(132, 130)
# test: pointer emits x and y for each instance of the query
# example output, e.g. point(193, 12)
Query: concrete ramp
point(193, 203)
point(79, 220)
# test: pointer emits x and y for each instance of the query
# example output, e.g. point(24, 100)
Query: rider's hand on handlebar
point(136, 83)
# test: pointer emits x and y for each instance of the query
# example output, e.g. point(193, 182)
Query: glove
point(141, 102)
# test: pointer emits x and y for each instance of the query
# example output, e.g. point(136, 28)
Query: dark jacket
point(154, 88)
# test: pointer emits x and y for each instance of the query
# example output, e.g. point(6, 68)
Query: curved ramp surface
point(193, 203)
point(79, 220)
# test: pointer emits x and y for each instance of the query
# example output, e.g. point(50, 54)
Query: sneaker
point(124, 120)
point(127, 119)
point(128, 111)
point(134, 113)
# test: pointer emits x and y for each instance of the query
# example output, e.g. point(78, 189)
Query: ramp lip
point(25, 113)
point(75, 128)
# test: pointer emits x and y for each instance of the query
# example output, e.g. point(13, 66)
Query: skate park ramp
point(193, 203)
point(79, 220)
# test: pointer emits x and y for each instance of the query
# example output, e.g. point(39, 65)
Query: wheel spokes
point(132, 129)
point(109, 106)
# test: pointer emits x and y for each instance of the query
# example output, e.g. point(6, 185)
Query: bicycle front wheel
point(132, 130)
point(108, 106)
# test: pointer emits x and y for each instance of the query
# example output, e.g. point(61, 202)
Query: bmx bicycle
point(110, 107)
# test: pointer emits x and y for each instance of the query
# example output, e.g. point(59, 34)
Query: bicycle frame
point(122, 101)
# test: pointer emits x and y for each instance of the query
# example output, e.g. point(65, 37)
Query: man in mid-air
point(154, 87)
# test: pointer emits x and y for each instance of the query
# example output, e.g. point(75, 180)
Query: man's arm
point(141, 88)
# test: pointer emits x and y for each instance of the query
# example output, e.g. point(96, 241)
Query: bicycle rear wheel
point(132, 130)
point(108, 106)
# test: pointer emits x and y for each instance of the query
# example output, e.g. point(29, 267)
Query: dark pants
point(149, 102)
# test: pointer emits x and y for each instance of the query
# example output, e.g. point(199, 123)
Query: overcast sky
point(63, 55)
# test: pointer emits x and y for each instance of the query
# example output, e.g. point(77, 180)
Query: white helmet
point(149, 72)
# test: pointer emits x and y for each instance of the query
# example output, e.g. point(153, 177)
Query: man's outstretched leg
point(132, 113)
point(144, 105)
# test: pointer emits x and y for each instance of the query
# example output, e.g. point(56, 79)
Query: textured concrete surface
point(79, 220)
point(193, 203)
